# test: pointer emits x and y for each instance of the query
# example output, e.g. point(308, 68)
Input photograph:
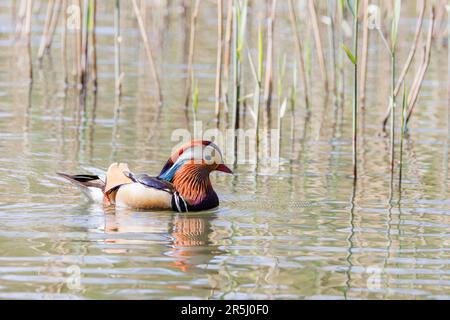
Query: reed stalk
point(308, 61)
point(78, 50)
point(402, 135)
point(355, 88)
point(332, 44)
point(318, 42)
point(64, 43)
point(117, 41)
point(412, 50)
point(281, 105)
point(269, 57)
point(190, 71)
point(84, 44)
point(299, 49)
point(53, 23)
point(195, 95)
point(393, 104)
point(260, 74)
point(448, 64)
point(73, 51)
point(93, 36)
point(26, 34)
point(413, 96)
point(439, 20)
point(239, 26)
point(227, 52)
point(47, 37)
point(235, 111)
point(45, 34)
point(354, 59)
point(257, 75)
point(394, 37)
point(218, 60)
point(20, 18)
point(445, 158)
point(364, 52)
point(148, 51)
point(340, 6)
point(409, 60)
point(293, 100)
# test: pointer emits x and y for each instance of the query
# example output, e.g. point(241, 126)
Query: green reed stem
point(293, 99)
point(281, 105)
point(235, 63)
point(394, 35)
point(299, 48)
point(355, 89)
point(402, 136)
point(218, 61)
point(354, 59)
point(393, 104)
point(257, 75)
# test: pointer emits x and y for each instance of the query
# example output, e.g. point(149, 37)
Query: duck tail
point(91, 185)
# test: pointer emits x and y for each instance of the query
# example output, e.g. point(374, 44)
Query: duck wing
point(151, 182)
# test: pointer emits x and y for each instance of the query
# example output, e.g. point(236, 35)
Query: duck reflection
point(190, 231)
point(123, 221)
point(191, 245)
point(189, 234)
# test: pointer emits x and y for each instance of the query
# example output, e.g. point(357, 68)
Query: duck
point(183, 185)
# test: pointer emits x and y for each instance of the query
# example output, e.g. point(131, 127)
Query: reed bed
point(245, 70)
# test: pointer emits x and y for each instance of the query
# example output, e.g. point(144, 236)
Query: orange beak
point(223, 168)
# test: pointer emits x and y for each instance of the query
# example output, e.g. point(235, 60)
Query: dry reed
point(218, 60)
point(318, 42)
point(299, 48)
point(190, 71)
point(148, 51)
point(415, 90)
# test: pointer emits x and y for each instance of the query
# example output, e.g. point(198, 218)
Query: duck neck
point(193, 184)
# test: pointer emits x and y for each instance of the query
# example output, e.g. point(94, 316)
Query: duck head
point(188, 170)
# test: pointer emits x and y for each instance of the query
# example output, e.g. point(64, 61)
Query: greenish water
point(303, 232)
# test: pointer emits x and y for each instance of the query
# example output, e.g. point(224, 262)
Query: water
point(303, 232)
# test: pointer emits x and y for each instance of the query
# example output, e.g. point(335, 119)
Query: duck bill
point(223, 168)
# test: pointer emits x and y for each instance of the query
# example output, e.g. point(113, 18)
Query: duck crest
point(168, 170)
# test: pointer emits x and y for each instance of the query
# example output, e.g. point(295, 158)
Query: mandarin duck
point(183, 184)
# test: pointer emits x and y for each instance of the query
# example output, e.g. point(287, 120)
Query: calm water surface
point(304, 231)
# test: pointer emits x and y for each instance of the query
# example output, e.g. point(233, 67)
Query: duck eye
point(208, 156)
